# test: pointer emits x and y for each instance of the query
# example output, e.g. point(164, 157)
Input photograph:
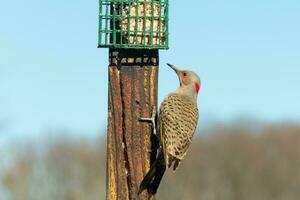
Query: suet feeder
point(134, 24)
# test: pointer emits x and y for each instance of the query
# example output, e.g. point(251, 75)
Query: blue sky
point(52, 76)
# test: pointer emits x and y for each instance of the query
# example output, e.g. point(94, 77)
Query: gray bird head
point(189, 81)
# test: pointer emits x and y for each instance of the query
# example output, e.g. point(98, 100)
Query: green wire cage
point(135, 24)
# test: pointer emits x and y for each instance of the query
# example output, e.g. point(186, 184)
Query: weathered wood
point(133, 78)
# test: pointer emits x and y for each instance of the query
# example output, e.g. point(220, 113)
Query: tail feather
point(148, 178)
point(153, 178)
point(161, 168)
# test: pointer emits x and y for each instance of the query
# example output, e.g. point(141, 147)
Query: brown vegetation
point(224, 163)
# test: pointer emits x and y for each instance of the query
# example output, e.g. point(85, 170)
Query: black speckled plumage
point(178, 117)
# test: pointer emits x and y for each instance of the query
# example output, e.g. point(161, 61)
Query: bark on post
point(133, 78)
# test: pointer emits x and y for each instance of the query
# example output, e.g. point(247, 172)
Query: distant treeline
point(224, 163)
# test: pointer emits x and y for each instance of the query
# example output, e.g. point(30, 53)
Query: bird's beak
point(174, 68)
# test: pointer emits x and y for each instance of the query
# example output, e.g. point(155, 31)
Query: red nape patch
point(197, 86)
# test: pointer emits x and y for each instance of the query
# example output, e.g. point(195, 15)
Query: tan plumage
point(178, 119)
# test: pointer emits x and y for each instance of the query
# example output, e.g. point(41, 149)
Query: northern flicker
point(178, 117)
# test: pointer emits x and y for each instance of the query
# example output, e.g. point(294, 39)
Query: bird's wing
point(178, 120)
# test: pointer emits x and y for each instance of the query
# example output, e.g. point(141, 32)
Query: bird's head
point(189, 81)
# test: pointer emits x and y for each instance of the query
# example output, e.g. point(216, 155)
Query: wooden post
point(133, 80)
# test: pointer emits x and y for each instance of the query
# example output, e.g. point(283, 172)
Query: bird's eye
point(184, 74)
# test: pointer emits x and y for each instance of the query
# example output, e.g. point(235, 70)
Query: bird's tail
point(152, 179)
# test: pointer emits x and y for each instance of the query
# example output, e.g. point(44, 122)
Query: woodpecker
point(177, 122)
